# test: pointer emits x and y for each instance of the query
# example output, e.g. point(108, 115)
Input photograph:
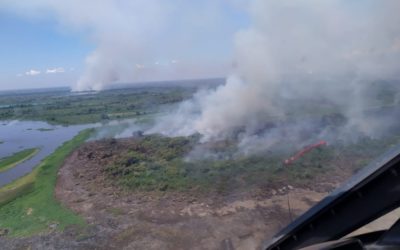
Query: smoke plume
point(138, 40)
point(300, 58)
point(303, 69)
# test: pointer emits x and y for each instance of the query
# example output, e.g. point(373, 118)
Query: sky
point(90, 43)
point(29, 45)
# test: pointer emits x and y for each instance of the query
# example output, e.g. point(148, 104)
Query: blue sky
point(28, 44)
point(32, 42)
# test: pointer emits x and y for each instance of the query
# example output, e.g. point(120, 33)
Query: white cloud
point(55, 70)
point(32, 72)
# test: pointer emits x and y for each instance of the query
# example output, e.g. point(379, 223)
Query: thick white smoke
point(138, 40)
point(307, 54)
point(318, 51)
point(122, 41)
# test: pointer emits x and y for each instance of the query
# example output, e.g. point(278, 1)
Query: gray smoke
point(294, 53)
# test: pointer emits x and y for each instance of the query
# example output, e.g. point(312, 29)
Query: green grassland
point(28, 205)
point(18, 157)
point(62, 107)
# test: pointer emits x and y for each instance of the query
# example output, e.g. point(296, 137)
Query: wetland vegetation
point(152, 165)
point(60, 106)
point(160, 163)
point(18, 157)
point(28, 205)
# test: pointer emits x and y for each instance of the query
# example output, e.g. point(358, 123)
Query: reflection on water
point(19, 135)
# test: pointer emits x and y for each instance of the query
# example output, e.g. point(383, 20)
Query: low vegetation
point(11, 161)
point(160, 163)
point(62, 107)
point(28, 206)
point(155, 162)
point(45, 129)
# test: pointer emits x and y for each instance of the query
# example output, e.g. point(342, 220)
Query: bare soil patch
point(120, 219)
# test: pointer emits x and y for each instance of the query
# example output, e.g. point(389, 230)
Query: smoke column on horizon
point(317, 51)
point(122, 42)
point(138, 40)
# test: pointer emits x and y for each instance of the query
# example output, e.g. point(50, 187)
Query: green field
point(29, 205)
point(18, 157)
point(62, 107)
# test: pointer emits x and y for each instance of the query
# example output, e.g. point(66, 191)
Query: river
point(19, 135)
